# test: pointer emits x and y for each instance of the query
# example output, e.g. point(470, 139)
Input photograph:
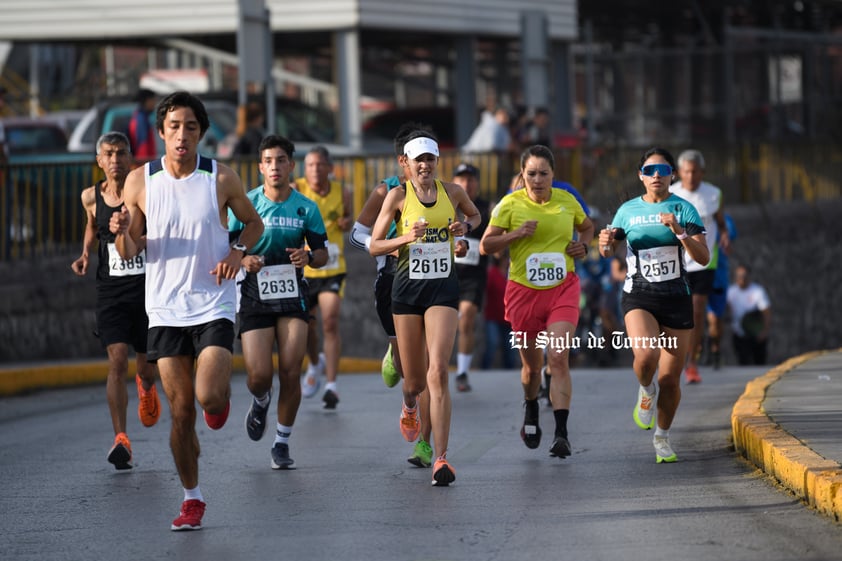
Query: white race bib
point(546, 269)
point(472, 257)
point(277, 281)
point(659, 264)
point(429, 260)
point(332, 256)
point(119, 267)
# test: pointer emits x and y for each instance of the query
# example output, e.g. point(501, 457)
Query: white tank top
point(184, 241)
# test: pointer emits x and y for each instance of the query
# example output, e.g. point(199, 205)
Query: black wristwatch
point(309, 257)
point(468, 228)
point(240, 247)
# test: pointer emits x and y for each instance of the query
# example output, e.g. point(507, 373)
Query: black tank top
point(128, 287)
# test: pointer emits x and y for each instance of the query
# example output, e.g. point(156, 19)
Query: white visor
point(421, 145)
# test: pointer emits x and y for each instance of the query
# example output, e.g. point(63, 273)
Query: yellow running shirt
point(332, 208)
point(539, 261)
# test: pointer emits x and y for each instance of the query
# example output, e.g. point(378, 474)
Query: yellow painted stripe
point(25, 378)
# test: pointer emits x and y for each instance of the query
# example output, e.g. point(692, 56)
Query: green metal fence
point(41, 212)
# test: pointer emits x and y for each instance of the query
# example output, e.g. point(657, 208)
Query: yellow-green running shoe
point(422, 456)
point(390, 374)
point(663, 451)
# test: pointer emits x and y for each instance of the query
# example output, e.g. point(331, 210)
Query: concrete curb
point(25, 378)
point(767, 445)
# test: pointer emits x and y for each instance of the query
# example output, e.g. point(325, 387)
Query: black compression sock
point(561, 421)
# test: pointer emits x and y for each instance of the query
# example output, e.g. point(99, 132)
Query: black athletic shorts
point(125, 322)
point(675, 312)
point(472, 289)
point(327, 284)
point(190, 340)
point(701, 282)
point(383, 298)
point(402, 309)
point(250, 321)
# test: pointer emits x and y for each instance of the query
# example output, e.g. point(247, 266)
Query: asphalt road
point(353, 495)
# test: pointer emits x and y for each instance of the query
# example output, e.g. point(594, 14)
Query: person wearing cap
point(141, 133)
point(425, 292)
point(472, 272)
point(537, 224)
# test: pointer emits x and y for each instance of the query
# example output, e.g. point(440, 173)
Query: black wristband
point(309, 257)
point(468, 228)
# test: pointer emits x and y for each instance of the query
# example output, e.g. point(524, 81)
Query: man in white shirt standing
point(751, 317)
point(707, 199)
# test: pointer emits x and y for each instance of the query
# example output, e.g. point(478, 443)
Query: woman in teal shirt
point(653, 231)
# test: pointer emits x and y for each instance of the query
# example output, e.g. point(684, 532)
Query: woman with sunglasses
point(656, 229)
point(542, 295)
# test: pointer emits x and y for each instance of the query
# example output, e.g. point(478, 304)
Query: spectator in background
point(141, 132)
point(492, 133)
point(4, 108)
point(497, 329)
point(717, 301)
point(249, 142)
point(538, 129)
point(751, 317)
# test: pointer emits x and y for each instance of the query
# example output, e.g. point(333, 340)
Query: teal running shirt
point(277, 287)
point(655, 257)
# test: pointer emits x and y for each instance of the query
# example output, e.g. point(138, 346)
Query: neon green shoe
point(422, 456)
point(644, 410)
point(390, 374)
point(663, 450)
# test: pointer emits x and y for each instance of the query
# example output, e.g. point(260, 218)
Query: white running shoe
point(663, 451)
point(312, 381)
point(644, 409)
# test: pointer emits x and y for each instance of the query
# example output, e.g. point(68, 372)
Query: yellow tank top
point(438, 216)
point(332, 208)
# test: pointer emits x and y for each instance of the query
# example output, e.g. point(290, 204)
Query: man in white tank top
point(183, 201)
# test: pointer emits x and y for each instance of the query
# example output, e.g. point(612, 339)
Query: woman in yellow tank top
point(425, 293)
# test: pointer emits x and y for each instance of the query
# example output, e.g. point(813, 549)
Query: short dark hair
point(538, 151)
point(321, 151)
point(276, 141)
point(182, 99)
point(657, 150)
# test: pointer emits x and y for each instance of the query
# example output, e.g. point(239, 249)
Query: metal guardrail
point(41, 213)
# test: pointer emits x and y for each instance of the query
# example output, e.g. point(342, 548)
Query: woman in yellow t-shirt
point(425, 291)
point(542, 295)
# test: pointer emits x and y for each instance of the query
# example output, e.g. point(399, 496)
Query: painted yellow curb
point(25, 378)
point(763, 442)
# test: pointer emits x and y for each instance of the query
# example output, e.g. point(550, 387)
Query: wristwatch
point(240, 247)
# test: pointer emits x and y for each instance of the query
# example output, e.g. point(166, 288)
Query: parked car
point(115, 115)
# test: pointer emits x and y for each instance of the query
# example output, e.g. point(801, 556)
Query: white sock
point(463, 362)
point(663, 433)
point(194, 493)
point(650, 389)
point(263, 401)
point(331, 386)
point(282, 434)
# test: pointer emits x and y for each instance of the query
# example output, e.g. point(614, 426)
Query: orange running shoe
point(443, 473)
point(410, 423)
point(149, 406)
point(691, 374)
point(121, 453)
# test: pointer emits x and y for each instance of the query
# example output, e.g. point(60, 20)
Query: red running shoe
point(190, 517)
point(216, 422)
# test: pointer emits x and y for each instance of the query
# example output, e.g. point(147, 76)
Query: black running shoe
point(462, 384)
point(256, 419)
point(530, 432)
point(331, 399)
point(280, 456)
point(560, 447)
